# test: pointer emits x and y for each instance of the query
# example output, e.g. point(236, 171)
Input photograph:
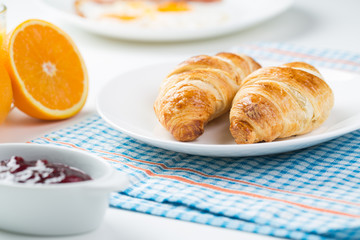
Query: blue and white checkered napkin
point(308, 194)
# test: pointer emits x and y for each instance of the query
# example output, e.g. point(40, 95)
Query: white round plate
point(240, 14)
point(126, 103)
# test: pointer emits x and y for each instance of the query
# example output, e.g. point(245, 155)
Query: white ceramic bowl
point(57, 209)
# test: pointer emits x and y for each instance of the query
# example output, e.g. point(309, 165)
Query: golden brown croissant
point(199, 90)
point(278, 102)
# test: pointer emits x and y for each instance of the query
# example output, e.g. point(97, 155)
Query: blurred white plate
point(126, 103)
point(240, 14)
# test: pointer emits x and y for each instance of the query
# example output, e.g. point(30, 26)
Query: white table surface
point(321, 23)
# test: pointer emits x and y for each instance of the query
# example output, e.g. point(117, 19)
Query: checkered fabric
point(312, 193)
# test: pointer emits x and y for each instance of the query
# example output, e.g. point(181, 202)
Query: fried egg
point(154, 14)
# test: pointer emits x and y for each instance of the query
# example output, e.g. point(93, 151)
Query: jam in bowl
point(34, 205)
point(16, 169)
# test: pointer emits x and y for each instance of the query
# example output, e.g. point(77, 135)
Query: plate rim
point(192, 148)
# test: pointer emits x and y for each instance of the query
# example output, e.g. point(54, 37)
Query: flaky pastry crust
point(199, 90)
point(279, 102)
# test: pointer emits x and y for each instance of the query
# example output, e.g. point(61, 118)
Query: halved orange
point(49, 77)
point(6, 96)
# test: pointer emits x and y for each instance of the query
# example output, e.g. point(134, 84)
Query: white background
point(322, 23)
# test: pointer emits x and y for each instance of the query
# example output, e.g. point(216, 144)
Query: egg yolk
point(123, 17)
point(173, 7)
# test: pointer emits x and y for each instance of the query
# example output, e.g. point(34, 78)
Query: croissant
point(278, 102)
point(199, 90)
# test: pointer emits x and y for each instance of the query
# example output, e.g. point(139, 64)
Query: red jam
point(16, 169)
